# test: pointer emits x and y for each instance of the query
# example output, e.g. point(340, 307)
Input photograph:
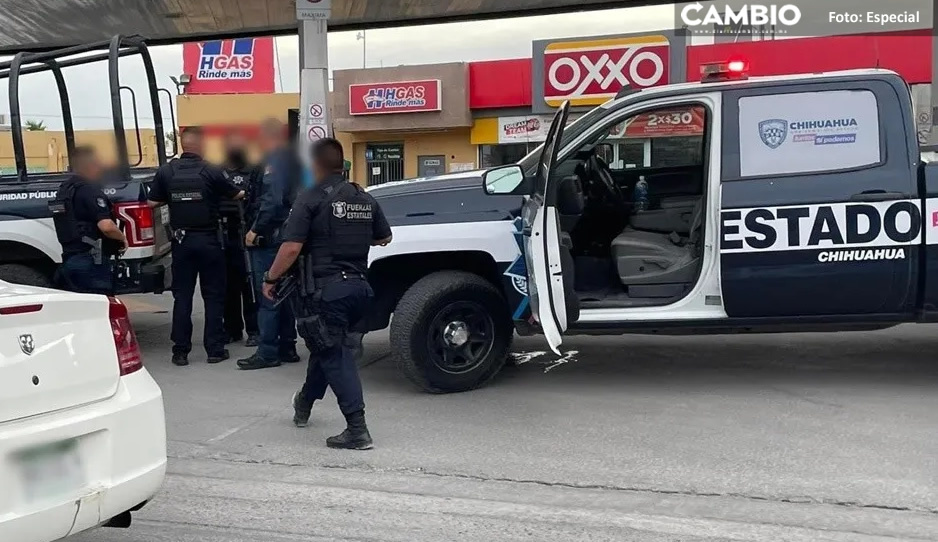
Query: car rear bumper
point(121, 445)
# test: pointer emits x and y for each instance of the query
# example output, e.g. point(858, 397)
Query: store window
point(500, 155)
point(384, 162)
point(677, 151)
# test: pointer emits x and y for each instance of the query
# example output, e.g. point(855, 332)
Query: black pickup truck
point(29, 249)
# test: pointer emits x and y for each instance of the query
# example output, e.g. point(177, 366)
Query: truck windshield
point(570, 132)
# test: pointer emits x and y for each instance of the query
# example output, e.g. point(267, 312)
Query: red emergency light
point(732, 70)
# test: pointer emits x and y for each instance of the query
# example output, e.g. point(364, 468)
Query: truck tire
point(451, 332)
point(24, 274)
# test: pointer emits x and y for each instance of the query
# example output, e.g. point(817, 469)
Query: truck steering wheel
point(599, 174)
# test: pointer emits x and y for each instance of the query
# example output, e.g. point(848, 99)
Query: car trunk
point(56, 351)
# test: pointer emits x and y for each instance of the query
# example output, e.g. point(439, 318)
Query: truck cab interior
point(631, 206)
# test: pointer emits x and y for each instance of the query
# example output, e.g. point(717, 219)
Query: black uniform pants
point(198, 256)
point(80, 274)
point(341, 306)
point(240, 308)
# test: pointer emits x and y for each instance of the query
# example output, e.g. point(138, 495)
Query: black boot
point(301, 411)
point(180, 359)
point(355, 436)
point(253, 340)
point(289, 356)
point(219, 357)
point(256, 362)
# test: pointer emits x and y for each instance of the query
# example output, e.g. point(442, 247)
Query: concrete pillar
point(314, 85)
point(934, 77)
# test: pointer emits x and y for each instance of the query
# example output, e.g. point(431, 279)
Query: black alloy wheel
point(460, 337)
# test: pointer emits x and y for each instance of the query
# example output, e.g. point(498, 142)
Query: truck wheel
point(451, 332)
point(23, 274)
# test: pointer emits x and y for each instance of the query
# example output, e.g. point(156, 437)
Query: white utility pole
point(312, 17)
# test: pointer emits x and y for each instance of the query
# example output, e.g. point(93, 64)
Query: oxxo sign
point(590, 72)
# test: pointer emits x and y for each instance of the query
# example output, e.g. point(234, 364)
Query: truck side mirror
point(507, 181)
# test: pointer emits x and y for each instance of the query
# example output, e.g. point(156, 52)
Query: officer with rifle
point(240, 302)
point(85, 227)
point(194, 189)
point(326, 243)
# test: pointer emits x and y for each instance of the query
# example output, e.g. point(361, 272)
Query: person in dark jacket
point(85, 227)
point(193, 189)
point(240, 304)
point(282, 174)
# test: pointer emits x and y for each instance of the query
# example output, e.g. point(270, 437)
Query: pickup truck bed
point(30, 252)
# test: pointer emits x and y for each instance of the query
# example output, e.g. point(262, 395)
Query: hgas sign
point(243, 65)
point(590, 71)
point(395, 97)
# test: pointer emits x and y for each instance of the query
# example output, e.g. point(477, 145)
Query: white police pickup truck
point(792, 203)
point(30, 252)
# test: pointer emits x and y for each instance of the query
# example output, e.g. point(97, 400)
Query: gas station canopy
point(41, 24)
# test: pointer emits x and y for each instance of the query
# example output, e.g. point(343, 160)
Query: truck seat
point(673, 215)
point(571, 202)
point(645, 258)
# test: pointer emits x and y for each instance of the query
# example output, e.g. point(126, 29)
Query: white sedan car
point(82, 431)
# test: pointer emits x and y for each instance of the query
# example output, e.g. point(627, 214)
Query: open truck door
point(553, 301)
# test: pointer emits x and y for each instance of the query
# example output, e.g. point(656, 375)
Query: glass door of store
point(385, 162)
point(630, 153)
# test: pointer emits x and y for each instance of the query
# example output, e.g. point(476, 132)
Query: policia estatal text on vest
point(85, 227)
point(193, 189)
point(330, 230)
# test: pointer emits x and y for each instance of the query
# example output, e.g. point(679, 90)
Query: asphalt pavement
point(767, 437)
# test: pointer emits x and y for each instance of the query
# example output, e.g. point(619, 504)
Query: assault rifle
point(249, 275)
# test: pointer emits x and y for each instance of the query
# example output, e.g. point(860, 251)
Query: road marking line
point(233, 430)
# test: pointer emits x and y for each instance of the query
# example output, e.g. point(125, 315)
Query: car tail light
point(125, 340)
point(138, 218)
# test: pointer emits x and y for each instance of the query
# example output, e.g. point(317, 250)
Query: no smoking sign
point(315, 133)
point(315, 111)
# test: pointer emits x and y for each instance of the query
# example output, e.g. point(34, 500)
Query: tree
point(35, 126)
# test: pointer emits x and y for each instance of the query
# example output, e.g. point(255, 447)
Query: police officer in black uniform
point(85, 227)
point(240, 305)
point(330, 230)
point(193, 189)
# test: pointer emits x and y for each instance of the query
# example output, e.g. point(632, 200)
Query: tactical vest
point(233, 208)
point(188, 207)
point(68, 229)
point(342, 229)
